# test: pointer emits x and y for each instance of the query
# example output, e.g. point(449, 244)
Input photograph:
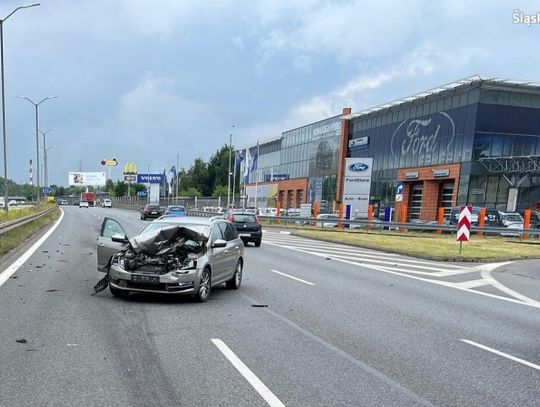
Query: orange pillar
point(315, 211)
point(369, 216)
point(278, 210)
point(481, 220)
point(340, 215)
point(440, 220)
point(526, 223)
point(403, 217)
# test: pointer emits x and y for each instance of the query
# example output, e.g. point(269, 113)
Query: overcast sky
point(143, 81)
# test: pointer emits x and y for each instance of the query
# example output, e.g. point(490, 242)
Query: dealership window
point(481, 146)
point(477, 189)
point(502, 194)
point(497, 146)
point(491, 191)
point(517, 150)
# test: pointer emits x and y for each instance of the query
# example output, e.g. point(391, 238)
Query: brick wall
point(294, 185)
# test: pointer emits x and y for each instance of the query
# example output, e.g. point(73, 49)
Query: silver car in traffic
point(182, 256)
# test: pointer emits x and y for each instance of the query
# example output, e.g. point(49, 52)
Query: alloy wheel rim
point(238, 274)
point(205, 280)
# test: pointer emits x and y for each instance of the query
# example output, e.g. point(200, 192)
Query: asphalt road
point(339, 329)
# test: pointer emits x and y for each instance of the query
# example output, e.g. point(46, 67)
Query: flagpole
point(176, 177)
point(256, 179)
point(229, 175)
point(234, 180)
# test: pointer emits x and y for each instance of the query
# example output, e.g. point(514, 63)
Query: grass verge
point(15, 213)
point(432, 246)
point(16, 237)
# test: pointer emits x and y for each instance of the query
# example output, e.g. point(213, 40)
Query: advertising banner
point(357, 185)
point(266, 195)
point(87, 178)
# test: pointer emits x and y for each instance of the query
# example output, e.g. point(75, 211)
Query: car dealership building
point(475, 141)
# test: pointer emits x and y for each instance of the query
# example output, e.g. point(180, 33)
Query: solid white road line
point(472, 283)
point(504, 355)
point(294, 278)
point(486, 275)
point(8, 272)
point(255, 382)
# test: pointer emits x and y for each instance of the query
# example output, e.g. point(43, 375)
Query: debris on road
point(52, 290)
point(21, 340)
point(259, 305)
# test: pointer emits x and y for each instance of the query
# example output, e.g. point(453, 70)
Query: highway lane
point(357, 336)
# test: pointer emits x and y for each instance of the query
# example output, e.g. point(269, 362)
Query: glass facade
point(306, 152)
point(458, 126)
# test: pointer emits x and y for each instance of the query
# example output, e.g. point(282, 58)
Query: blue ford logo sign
point(358, 167)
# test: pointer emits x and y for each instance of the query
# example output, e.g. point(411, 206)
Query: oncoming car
point(83, 204)
point(183, 256)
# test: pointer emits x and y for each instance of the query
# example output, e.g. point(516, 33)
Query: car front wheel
point(257, 243)
point(236, 280)
point(205, 286)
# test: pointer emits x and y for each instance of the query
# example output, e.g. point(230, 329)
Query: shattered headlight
point(189, 264)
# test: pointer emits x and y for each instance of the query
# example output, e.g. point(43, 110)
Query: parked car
point(151, 211)
point(182, 255)
point(327, 216)
point(83, 204)
point(13, 202)
point(106, 203)
point(248, 227)
point(63, 202)
point(175, 210)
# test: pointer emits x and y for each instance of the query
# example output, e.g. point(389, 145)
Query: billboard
point(149, 178)
point(87, 178)
point(266, 195)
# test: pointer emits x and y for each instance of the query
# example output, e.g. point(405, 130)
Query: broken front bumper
point(173, 282)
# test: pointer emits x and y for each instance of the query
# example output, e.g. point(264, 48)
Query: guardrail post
point(278, 210)
point(340, 215)
point(481, 220)
point(440, 220)
point(526, 223)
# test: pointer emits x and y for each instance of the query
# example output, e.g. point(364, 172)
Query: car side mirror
point(219, 243)
point(119, 238)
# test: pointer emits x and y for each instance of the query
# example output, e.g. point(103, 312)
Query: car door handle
point(101, 244)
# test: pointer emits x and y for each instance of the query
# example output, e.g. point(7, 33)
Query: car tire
point(236, 280)
point(257, 243)
point(205, 286)
point(142, 217)
point(118, 293)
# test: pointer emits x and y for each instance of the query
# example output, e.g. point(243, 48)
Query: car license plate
point(153, 213)
point(142, 279)
point(244, 234)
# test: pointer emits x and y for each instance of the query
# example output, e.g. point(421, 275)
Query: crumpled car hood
point(151, 244)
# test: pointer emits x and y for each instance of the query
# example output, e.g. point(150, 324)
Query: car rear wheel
point(235, 282)
point(205, 286)
point(118, 293)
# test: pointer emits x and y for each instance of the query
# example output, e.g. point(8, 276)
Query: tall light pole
point(36, 105)
point(229, 173)
point(4, 99)
point(45, 161)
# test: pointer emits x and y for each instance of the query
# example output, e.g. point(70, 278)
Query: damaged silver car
point(186, 256)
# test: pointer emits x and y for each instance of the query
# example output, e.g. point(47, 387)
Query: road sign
point(130, 178)
point(141, 193)
point(111, 163)
point(464, 224)
point(399, 197)
point(46, 191)
point(399, 188)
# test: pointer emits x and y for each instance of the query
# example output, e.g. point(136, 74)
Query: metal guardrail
point(377, 224)
point(15, 223)
point(374, 224)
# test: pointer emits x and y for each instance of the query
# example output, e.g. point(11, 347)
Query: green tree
point(219, 190)
point(218, 167)
point(109, 187)
point(191, 192)
point(198, 174)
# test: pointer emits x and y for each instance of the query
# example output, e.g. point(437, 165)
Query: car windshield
point(152, 207)
point(244, 218)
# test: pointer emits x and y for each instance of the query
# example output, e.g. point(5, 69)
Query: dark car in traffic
point(248, 226)
point(151, 211)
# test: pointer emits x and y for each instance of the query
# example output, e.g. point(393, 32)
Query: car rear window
point(153, 207)
point(243, 218)
point(176, 208)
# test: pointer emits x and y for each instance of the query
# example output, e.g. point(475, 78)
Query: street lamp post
point(45, 160)
point(4, 100)
point(36, 105)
